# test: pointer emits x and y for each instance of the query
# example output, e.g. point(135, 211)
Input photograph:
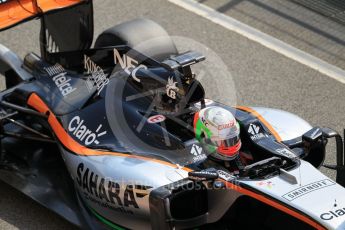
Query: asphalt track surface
point(292, 23)
point(261, 76)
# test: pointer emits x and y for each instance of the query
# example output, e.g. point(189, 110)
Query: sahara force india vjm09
point(104, 136)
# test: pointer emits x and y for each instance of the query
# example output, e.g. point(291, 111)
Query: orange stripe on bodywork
point(274, 204)
point(263, 120)
point(36, 102)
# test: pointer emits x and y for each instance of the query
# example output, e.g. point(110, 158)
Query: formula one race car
point(103, 136)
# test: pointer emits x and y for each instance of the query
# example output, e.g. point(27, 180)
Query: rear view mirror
point(312, 135)
point(340, 167)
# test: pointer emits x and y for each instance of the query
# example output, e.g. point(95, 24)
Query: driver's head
point(218, 129)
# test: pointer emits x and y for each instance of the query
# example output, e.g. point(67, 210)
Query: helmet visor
point(228, 142)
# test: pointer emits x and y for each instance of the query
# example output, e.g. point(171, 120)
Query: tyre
point(143, 35)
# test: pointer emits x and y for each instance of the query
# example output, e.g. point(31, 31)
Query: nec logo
point(128, 64)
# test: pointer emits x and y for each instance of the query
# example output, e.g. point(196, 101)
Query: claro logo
point(79, 130)
point(333, 214)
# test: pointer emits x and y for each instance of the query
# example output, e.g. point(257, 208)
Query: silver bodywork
point(10, 60)
point(123, 171)
point(318, 203)
point(315, 195)
point(287, 125)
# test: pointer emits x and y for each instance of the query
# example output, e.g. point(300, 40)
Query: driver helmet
point(217, 129)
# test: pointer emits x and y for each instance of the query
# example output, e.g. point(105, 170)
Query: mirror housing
point(313, 135)
point(339, 167)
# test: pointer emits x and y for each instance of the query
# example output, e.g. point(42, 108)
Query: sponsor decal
point(58, 74)
point(55, 69)
point(156, 119)
point(267, 184)
point(171, 88)
point(254, 131)
point(81, 132)
point(98, 78)
point(203, 175)
point(340, 212)
point(205, 121)
point(134, 72)
point(225, 175)
point(108, 193)
point(301, 191)
point(62, 82)
point(285, 152)
point(107, 205)
point(128, 64)
point(226, 126)
point(196, 151)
